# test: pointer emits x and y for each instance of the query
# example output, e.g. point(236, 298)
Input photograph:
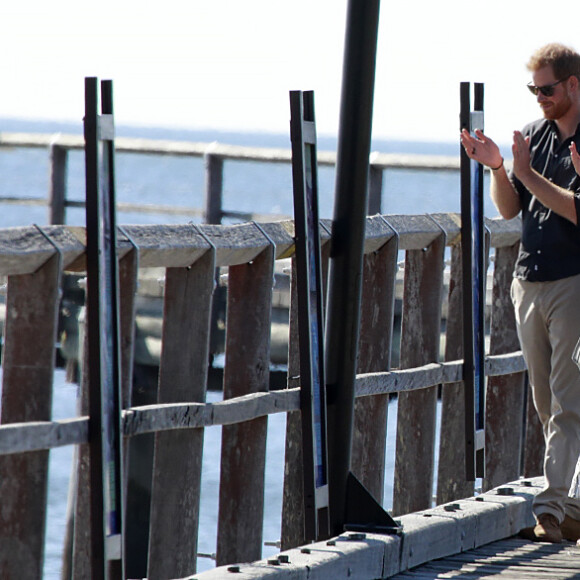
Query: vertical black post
point(310, 315)
point(104, 359)
point(347, 244)
point(474, 279)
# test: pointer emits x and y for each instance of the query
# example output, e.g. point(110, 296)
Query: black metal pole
point(347, 243)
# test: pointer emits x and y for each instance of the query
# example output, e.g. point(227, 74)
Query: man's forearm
point(554, 197)
point(504, 194)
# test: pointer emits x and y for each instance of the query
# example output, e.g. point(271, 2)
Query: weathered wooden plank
point(170, 246)
point(516, 559)
point(451, 482)
point(415, 232)
point(69, 246)
point(77, 552)
point(292, 532)
point(32, 309)
point(404, 380)
point(507, 364)
point(415, 161)
point(504, 232)
point(182, 377)
point(26, 436)
point(24, 249)
point(241, 503)
point(225, 151)
point(149, 418)
point(378, 233)
point(33, 436)
point(370, 418)
point(128, 282)
point(505, 395)
point(450, 223)
point(535, 444)
point(214, 180)
point(236, 245)
point(58, 157)
point(420, 336)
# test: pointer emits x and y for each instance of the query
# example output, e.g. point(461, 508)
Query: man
point(546, 286)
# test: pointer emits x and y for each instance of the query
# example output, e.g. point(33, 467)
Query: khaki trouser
point(548, 323)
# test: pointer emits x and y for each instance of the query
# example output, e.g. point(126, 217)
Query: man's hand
point(481, 148)
point(521, 153)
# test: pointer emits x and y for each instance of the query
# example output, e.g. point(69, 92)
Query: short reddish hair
point(565, 61)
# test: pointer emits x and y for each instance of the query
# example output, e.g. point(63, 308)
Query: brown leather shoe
point(548, 529)
point(528, 534)
point(570, 529)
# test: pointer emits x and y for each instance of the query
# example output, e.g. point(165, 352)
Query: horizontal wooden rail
point(224, 151)
point(24, 249)
point(34, 436)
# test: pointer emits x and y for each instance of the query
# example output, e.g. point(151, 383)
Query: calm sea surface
point(261, 188)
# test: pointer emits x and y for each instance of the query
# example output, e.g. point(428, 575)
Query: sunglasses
point(546, 90)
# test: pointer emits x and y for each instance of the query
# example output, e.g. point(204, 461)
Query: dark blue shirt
point(550, 244)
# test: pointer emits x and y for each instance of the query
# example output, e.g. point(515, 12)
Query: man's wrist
point(498, 167)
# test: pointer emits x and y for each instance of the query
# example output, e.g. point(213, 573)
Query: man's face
point(558, 104)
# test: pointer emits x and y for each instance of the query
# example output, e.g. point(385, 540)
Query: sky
point(230, 64)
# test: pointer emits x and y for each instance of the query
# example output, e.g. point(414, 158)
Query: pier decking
point(511, 559)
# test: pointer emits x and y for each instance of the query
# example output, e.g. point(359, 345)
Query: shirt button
point(540, 227)
point(536, 268)
point(539, 252)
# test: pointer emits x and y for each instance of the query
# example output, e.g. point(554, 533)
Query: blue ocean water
point(249, 187)
point(262, 188)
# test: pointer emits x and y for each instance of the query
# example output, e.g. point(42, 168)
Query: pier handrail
point(39, 435)
point(33, 260)
point(214, 155)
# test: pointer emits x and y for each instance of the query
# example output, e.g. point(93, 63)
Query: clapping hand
point(481, 148)
point(521, 153)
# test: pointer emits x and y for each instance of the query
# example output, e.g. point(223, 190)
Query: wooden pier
point(33, 260)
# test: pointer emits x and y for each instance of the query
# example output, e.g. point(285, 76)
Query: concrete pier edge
point(427, 535)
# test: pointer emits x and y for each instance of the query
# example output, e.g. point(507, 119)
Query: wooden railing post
point(214, 180)
point(128, 282)
point(57, 193)
point(28, 368)
point(376, 333)
point(241, 501)
point(420, 344)
point(183, 372)
point(77, 552)
point(535, 444)
point(292, 533)
point(375, 189)
point(505, 394)
point(451, 482)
